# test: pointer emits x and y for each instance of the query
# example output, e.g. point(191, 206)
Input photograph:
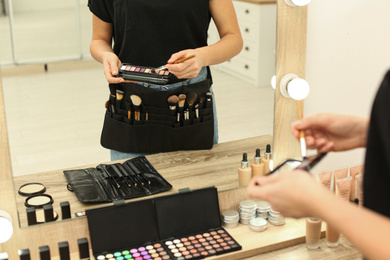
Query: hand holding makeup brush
point(332, 132)
point(185, 68)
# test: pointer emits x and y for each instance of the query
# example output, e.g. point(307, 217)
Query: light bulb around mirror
point(6, 228)
point(297, 2)
point(273, 82)
point(298, 89)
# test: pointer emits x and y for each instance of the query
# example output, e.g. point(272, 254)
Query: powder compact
point(32, 188)
point(185, 225)
point(143, 74)
point(38, 200)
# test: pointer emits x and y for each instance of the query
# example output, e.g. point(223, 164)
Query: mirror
point(54, 118)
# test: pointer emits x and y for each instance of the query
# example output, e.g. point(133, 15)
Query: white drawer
point(246, 11)
point(250, 50)
point(238, 65)
point(249, 31)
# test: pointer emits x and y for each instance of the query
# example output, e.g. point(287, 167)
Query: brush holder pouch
point(157, 128)
point(108, 182)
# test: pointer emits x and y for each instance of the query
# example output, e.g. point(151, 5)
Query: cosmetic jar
point(275, 218)
point(258, 224)
point(247, 211)
point(263, 208)
point(230, 218)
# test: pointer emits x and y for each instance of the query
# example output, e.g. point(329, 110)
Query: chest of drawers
point(256, 62)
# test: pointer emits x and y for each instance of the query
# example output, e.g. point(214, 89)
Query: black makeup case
point(158, 129)
point(109, 182)
point(144, 74)
point(184, 225)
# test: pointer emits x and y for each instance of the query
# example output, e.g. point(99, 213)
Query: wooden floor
point(54, 118)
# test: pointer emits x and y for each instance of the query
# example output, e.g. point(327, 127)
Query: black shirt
point(376, 184)
point(147, 33)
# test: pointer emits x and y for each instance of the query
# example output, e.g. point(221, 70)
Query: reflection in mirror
point(55, 117)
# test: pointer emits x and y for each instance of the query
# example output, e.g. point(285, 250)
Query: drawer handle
point(246, 29)
point(247, 11)
point(246, 48)
point(246, 67)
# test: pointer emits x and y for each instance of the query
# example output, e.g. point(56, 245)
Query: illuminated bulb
point(298, 89)
point(291, 86)
point(5, 226)
point(273, 82)
point(297, 2)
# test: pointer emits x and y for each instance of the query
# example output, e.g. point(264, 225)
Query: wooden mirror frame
point(290, 58)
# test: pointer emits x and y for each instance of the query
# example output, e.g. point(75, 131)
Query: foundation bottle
point(332, 236)
point(257, 165)
point(244, 171)
point(313, 232)
point(267, 159)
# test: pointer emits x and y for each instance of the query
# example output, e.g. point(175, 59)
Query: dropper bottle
point(257, 165)
point(244, 171)
point(267, 159)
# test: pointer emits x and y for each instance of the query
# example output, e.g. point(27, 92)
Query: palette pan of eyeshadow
point(143, 74)
point(185, 225)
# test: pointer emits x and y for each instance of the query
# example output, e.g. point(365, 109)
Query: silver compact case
point(275, 218)
point(230, 218)
point(247, 211)
point(263, 207)
point(258, 224)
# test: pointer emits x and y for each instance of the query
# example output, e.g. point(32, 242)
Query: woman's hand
point(332, 132)
point(188, 69)
point(111, 65)
point(292, 193)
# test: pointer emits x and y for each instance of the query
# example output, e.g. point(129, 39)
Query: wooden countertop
point(197, 169)
point(193, 169)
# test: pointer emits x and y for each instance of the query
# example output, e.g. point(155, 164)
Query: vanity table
point(217, 166)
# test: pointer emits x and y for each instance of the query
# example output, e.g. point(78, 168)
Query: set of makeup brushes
point(185, 104)
point(135, 108)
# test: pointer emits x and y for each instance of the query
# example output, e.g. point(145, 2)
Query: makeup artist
point(296, 194)
point(153, 33)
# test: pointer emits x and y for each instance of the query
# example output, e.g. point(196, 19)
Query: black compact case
point(109, 182)
point(185, 225)
point(143, 74)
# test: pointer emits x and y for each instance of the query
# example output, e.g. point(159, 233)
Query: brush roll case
point(110, 182)
point(158, 129)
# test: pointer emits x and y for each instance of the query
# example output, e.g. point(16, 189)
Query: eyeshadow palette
point(143, 74)
point(173, 227)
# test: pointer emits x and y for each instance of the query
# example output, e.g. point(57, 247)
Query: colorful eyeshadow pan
point(201, 245)
point(143, 74)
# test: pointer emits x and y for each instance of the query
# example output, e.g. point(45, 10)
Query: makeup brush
point(197, 110)
point(208, 99)
point(182, 100)
point(129, 113)
point(172, 102)
point(208, 96)
point(119, 97)
point(200, 102)
point(176, 62)
point(136, 100)
point(191, 98)
point(301, 132)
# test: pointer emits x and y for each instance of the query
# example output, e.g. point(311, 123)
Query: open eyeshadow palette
point(181, 226)
point(143, 74)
